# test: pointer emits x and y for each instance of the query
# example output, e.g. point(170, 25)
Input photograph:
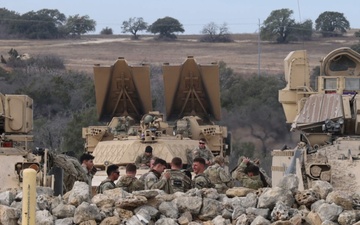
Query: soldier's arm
point(138, 161)
point(210, 156)
point(160, 184)
point(200, 182)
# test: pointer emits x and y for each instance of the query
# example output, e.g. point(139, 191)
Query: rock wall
point(239, 206)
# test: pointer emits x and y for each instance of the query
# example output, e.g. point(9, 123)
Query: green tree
point(278, 26)
point(331, 24)
point(7, 17)
point(133, 26)
point(166, 27)
point(302, 31)
point(38, 25)
point(78, 25)
point(215, 33)
point(106, 31)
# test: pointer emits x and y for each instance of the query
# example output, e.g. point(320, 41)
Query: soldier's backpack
point(98, 188)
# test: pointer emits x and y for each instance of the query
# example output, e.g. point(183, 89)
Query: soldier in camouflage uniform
point(200, 151)
point(178, 180)
point(200, 180)
point(218, 176)
point(129, 182)
point(87, 164)
point(143, 160)
point(248, 174)
point(152, 179)
point(113, 174)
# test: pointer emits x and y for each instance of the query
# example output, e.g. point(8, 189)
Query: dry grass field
point(241, 55)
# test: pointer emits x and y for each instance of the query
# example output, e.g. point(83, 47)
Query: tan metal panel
point(188, 88)
point(122, 90)
point(320, 107)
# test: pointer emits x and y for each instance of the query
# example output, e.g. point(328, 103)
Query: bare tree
point(215, 33)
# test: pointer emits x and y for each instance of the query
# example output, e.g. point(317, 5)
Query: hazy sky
point(242, 16)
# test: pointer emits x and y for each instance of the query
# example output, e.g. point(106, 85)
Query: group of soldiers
point(209, 172)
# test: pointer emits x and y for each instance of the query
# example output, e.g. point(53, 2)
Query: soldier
point(248, 174)
point(218, 176)
point(200, 180)
point(87, 164)
point(142, 177)
point(129, 182)
point(113, 174)
point(152, 179)
point(202, 151)
point(178, 181)
point(143, 160)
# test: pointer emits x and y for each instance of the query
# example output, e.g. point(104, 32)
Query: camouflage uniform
point(153, 181)
point(253, 182)
point(143, 159)
point(219, 177)
point(89, 175)
point(178, 182)
point(106, 184)
point(130, 184)
point(202, 181)
point(204, 153)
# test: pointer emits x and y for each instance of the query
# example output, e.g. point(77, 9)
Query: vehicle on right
point(327, 118)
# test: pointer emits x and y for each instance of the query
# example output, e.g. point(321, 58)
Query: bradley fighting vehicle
point(16, 123)
point(123, 99)
point(327, 118)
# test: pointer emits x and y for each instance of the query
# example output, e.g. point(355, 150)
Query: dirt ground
point(243, 55)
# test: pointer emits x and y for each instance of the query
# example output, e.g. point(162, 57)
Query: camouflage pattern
point(143, 159)
point(253, 182)
point(178, 182)
point(202, 181)
point(204, 153)
point(89, 175)
point(106, 184)
point(130, 184)
point(153, 181)
point(219, 177)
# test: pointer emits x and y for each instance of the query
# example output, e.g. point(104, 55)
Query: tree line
point(279, 26)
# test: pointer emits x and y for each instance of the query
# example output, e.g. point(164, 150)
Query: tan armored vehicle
point(327, 118)
point(16, 122)
point(123, 99)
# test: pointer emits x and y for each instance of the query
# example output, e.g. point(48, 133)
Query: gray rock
point(166, 221)
point(79, 194)
point(169, 209)
point(44, 217)
point(280, 212)
point(315, 206)
point(220, 221)
point(185, 218)
point(210, 193)
point(259, 220)
point(306, 197)
point(271, 196)
point(114, 220)
point(133, 221)
point(44, 191)
point(101, 200)
point(340, 198)
point(243, 220)
point(322, 188)
point(43, 202)
point(188, 203)
point(6, 198)
point(85, 212)
point(328, 222)
point(148, 193)
point(289, 182)
point(238, 211)
point(63, 211)
point(143, 215)
point(349, 217)
point(258, 212)
point(210, 209)
point(66, 221)
point(131, 201)
point(329, 211)
point(8, 215)
point(153, 212)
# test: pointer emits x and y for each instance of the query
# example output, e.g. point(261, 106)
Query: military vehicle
point(327, 118)
point(123, 100)
point(16, 123)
